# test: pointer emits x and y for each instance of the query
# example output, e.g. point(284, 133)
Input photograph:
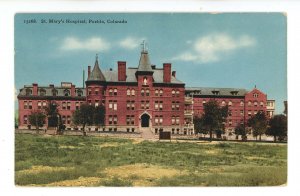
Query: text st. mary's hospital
point(139, 98)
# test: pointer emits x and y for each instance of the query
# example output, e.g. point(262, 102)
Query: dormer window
point(42, 92)
point(255, 95)
point(66, 92)
point(28, 92)
point(54, 92)
point(79, 93)
point(215, 92)
point(234, 92)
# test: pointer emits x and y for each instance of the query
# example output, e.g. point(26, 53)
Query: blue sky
point(207, 50)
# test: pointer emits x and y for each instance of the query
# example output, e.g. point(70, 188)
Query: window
point(30, 105)
point(242, 112)
point(110, 92)
point(54, 92)
point(255, 103)
point(177, 120)
point(115, 119)
point(96, 103)
point(44, 105)
point(64, 106)
point(145, 82)
point(110, 105)
point(203, 102)
point(143, 92)
point(110, 119)
point(177, 105)
point(173, 120)
point(25, 120)
point(160, 92)
point(147, 92)
point(68, 119)
point(261, 104)
point(255, 95)
point(230, 103)
point(173, 105)
point(177, 93)
point(77, 105)
point(156, 105)
point(128, 105)
point(249, 103)
point(128, 92)
point(67, 92)
point(89, 91)
point(130, 119)
point(229, 113)
point(242, 103)
point(230, 122)
point(147, 104)
point(249, 113)
point(25, 105)
point(68, 105)
point(173, 93)
point(115, 92)
point(156, 92)
point(132, 105)
point(79, 93)
point(133, 92)
point(115, 105)
point(28, 92)
point(39, 105)
point(255, 112)
point(96, 91)
point(42, 92)
point(161, 105)
point(223, 103)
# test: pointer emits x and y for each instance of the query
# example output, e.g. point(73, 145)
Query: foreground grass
point(104, 161)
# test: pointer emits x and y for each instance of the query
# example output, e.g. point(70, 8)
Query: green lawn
point(105, 161)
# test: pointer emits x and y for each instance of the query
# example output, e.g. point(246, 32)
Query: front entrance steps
point(146, 133)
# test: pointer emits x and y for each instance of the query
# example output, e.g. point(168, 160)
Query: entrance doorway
point(145, 120)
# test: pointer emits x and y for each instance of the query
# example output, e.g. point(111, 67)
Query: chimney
point(72, 90)
point(89, 71)
point(51, 85)
point(153, 66)
point(167, 72)
point(121, 70)
point(35, 89)
point(174, 74)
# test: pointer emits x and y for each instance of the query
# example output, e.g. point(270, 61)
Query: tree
point(89, 115)
point(52, 114)
point(278, 127)
point(240, 130)
point(199, 126)
point(37, 119)
point(258, 123)
point(214, 116)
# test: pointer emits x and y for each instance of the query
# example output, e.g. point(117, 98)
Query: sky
point(231, 50)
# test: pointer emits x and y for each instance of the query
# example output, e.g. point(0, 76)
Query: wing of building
point(139, 97)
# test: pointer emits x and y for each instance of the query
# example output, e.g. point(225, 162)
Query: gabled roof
point(96, 74)
point(208, 91)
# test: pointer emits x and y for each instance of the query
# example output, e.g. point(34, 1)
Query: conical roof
point(96, 74)
point(144, 64)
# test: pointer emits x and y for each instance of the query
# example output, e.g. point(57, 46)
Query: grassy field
point(104, 161)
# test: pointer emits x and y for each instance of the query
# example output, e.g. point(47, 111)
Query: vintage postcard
point(151, 99)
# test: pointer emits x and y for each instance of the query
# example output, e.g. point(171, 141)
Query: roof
point(112, 76)
point(49, 90)
point(144, 63)
point(96, 74)
point(209, 91)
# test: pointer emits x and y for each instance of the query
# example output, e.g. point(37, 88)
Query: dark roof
point(208, 91)
point(49, 90)
point(112, 76)
point(96, 74)
point(144, 63)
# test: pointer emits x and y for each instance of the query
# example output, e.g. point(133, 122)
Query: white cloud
point(131, 42)
point(91, 44)
point(210, 48)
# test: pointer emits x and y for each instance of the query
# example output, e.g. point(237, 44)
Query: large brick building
point(139, 97)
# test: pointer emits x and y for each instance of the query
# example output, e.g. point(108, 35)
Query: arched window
point(161, 92)
point(132, 92)
point(66, 92)
point(42, 92)
point(249, 103)
point(223, 103)
point(156, 92)
point(147, 92)
point(230, 103)
point(128, 92)
point(242, 103)
point(115, 91)
point(145, 81)
point(177, 93)
point(110, 92)
point(173, 93)
point(142, 92)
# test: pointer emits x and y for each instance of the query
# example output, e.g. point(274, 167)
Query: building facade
point(141, 97)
